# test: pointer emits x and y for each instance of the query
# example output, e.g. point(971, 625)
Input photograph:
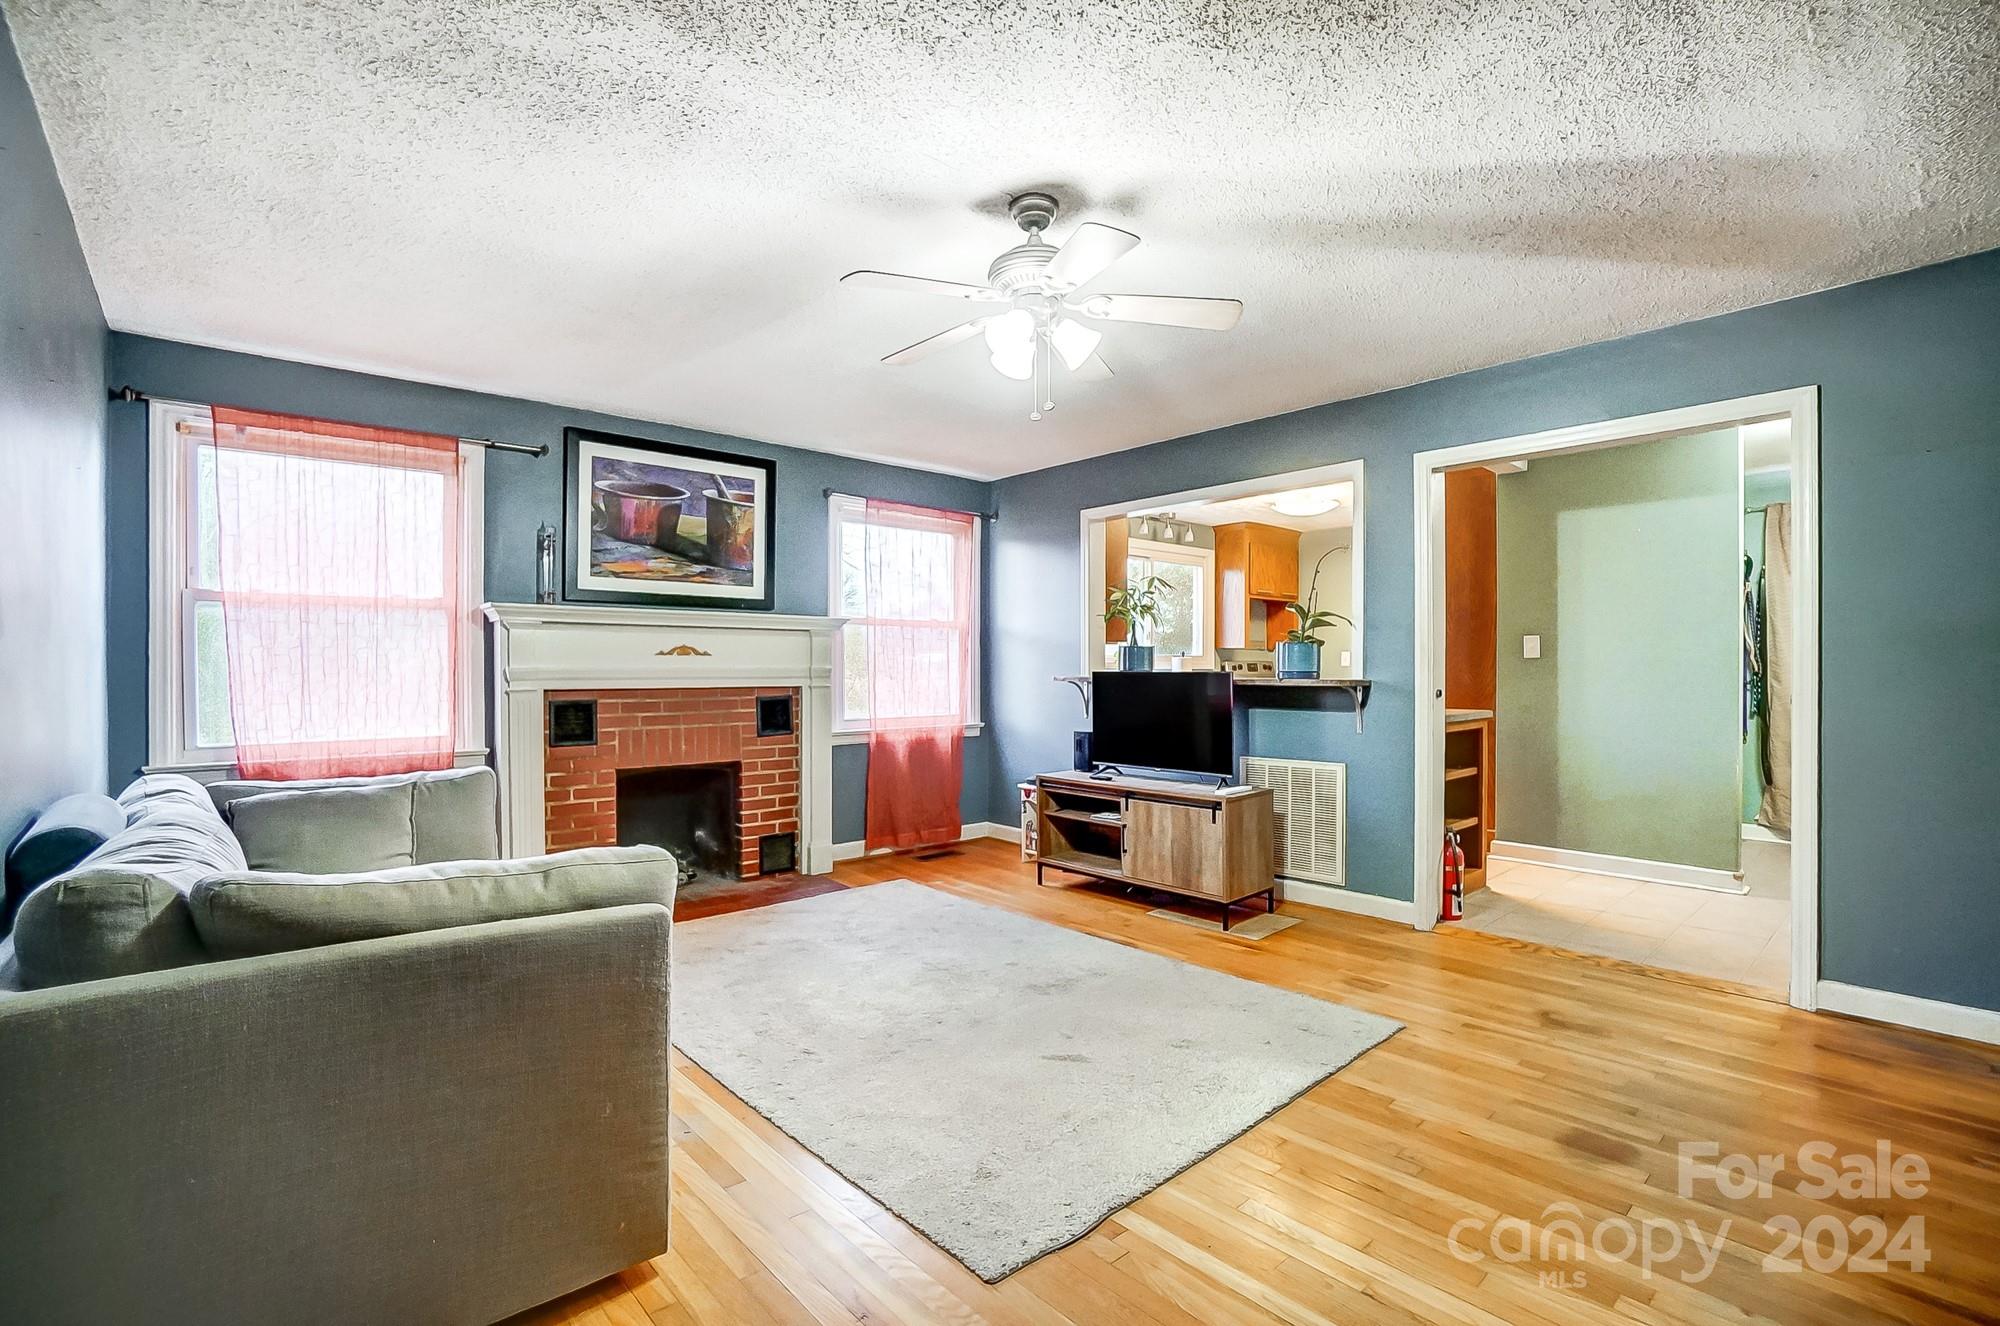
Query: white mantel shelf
point(543, 647)
point(590, 614)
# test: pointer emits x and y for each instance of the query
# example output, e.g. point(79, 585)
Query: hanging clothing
point(1753, 648)
point(1775, 813)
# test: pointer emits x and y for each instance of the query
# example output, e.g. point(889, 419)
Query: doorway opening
point(1625, 769)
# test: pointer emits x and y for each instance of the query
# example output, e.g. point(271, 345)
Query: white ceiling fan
point(1040, 285)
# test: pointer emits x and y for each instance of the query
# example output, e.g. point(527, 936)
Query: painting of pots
point(651, 522)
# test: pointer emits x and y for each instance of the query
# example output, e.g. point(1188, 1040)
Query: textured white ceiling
point(644, 207)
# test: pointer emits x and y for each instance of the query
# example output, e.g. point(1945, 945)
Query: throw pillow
point(61, 836)
point(326, 830)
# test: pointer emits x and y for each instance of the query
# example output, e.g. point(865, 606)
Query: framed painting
point(658, 524)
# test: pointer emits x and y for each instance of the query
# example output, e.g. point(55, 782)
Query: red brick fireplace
point(638, 730)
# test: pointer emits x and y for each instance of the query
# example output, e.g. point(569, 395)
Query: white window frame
point(1154, 550)
point(171, 535)
point(842, 509)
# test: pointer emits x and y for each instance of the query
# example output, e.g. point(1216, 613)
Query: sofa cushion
point(262, 912)
point(453, 812)
point(124, 909)
point(326, 830)
point(60, 837)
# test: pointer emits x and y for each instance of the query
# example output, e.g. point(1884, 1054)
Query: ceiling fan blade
point(920, 285)
point(1162, 310)
point(1089, 250)
point(930, 345)
point(1093, 369)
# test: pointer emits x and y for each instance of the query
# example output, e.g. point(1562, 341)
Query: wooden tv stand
point(1201, 842)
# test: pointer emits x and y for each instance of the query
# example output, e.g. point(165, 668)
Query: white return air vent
point(1309, 801)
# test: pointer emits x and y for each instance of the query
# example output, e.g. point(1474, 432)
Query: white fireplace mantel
point(542, 647)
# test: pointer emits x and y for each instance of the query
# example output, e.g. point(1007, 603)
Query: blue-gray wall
point(1909, 372)
point(52, 454)
point(522, 492)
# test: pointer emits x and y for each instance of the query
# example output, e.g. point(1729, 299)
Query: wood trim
point(1622, 867)
point(1975, 1024)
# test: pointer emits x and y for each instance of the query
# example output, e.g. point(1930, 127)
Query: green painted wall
point(1759, 490)
point(1624, 737)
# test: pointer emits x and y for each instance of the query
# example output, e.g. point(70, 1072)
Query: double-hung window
point(919, 551)
point(1185, 628)
point(346, 556)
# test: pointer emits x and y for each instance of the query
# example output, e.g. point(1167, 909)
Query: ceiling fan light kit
point(1039, 282)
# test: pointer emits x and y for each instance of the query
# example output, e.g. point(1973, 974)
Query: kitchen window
point(1185, 630)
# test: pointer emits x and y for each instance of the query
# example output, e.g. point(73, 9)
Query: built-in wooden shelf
point(1468, 787)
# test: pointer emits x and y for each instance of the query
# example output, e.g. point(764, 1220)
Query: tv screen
point(1163, 720)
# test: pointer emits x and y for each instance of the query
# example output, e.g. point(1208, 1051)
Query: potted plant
point(1298, 652)
point(1137, 604)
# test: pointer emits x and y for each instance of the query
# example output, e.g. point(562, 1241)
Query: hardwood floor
point(1525, 1078)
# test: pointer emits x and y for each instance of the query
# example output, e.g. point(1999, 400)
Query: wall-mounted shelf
point(1334, 693)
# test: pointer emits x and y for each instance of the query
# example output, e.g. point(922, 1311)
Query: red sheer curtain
point(338, 551)
point(917, 595)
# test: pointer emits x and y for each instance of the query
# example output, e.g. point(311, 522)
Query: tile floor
point(1733, 937)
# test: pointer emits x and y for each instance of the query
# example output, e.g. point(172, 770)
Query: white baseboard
point(1757, 833)
point(1344, 900)
point(1621, 867)
point(966, 833)
point(1973, 1024)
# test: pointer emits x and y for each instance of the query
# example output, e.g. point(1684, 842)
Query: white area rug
point(1000, 1083)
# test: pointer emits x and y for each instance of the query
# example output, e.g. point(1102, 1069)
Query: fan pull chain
point(1037, 366)
point(1048, 370)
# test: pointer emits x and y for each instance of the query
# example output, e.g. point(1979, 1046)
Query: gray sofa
point(367, 1119)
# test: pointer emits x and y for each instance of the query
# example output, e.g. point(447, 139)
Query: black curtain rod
point(134, 394)
point(992, 517)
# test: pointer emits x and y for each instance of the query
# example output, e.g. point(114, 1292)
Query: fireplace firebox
point(689, 809)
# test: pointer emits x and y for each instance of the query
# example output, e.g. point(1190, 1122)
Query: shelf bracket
point(1358, 694)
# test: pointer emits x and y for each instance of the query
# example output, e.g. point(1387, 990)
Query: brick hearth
point(654, 729)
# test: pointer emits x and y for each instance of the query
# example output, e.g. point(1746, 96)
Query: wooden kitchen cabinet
point(1274, 563)
point(1256, 574)
point(1117, 546)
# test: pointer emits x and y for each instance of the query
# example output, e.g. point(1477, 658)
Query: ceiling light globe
point(1305, 502)
point(1011, 332)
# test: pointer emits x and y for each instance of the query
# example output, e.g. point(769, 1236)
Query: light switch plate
point(1531, 646)
point(1347, 658)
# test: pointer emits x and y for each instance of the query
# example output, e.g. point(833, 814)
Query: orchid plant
point(1311, 619)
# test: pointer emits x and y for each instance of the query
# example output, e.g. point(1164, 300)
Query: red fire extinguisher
point(1454, 879)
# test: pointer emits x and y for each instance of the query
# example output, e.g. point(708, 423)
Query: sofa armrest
point(441, 1127)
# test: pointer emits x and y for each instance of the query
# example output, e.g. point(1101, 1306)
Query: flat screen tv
point(1163, 720)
